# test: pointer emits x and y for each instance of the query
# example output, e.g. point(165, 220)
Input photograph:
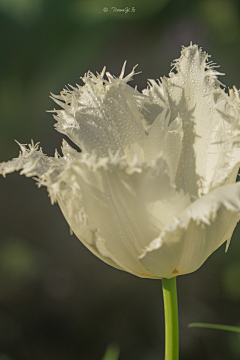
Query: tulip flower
point(152, 189)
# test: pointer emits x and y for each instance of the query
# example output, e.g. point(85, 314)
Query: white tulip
point(153, 190)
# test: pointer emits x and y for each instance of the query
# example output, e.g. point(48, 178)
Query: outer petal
point(202, 124)
point(229, 156)
point(193, 92)
point(203, 227)
point(31, 162)
point(116, 209)
point(49, 172)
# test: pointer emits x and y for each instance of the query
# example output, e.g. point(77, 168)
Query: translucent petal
point(193, 93)
point(102, 115)
point(165, 138)
point(125, 206)
point(229, 155)
point(61, 184)
point(31, 161)
point(204, 226)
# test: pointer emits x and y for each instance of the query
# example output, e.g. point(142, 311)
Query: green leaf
point(216, 326)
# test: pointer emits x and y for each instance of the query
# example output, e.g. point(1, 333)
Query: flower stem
point(171, 319)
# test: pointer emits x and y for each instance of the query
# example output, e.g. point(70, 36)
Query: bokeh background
point(57, 301)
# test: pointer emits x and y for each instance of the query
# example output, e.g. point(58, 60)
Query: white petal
point(203, 227)
point(193, 92)
point(52, 172)
point(32, 161)
point(229, 154)
point(102, 115)
point(165, 138)
point(124, 207)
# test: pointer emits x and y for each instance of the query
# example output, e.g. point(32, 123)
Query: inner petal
point(104, 116)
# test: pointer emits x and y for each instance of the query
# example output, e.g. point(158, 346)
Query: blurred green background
point(57, 301)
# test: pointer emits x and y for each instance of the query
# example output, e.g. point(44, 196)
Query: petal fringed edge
point(193, 92)
point(31, 161)
point(204, 226)
point(102, 115)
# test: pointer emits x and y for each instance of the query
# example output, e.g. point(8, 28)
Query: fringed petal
point(228, 163)
point(116, 208)
point(31, 161)
point(194, 93)
point(102, 115)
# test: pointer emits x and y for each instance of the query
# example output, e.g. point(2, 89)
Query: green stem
point(171, 319)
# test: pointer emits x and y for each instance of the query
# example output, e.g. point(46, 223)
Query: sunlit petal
point(102, 115)
point(204, 226)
